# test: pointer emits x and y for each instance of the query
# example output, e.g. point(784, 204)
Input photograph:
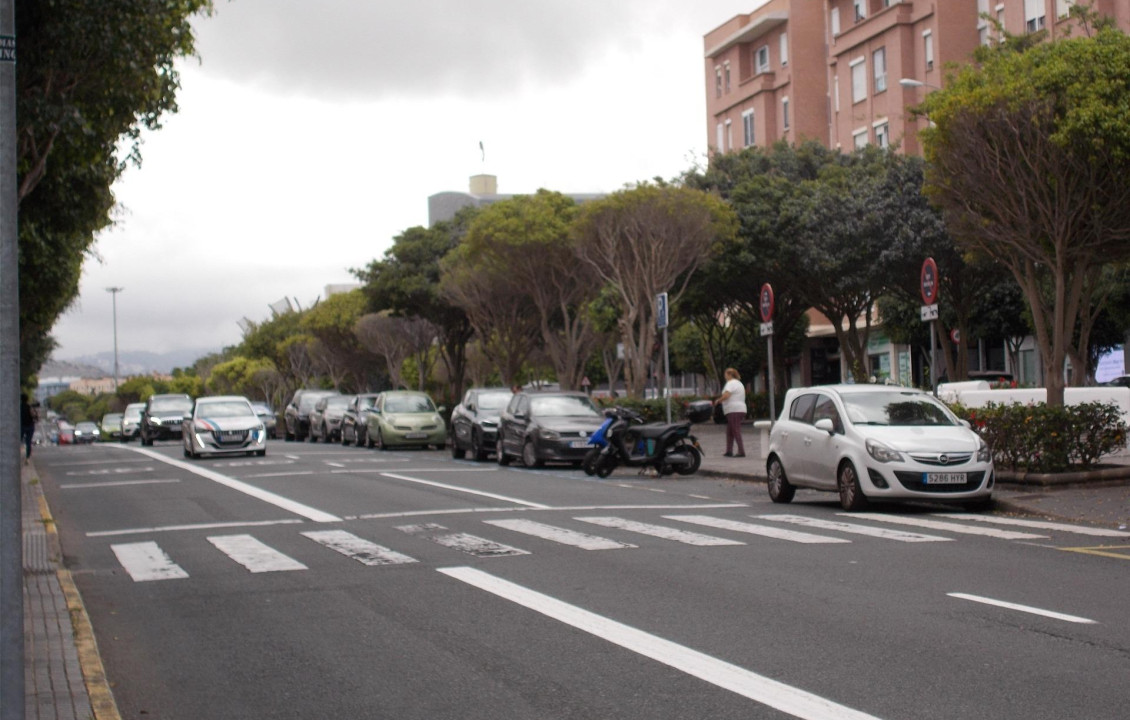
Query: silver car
point(876, 442)
point(223, 424)
point(131, 421)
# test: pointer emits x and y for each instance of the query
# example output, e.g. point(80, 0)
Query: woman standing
point(733, 405)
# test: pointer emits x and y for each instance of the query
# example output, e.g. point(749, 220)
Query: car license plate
point(579, 444)
point(944, 478)
point(415, 435)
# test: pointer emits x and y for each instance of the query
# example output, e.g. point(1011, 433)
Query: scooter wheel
point(695, 464)
point(605, 467)
point(592, 457)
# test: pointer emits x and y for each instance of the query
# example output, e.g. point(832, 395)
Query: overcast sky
point(310, 134)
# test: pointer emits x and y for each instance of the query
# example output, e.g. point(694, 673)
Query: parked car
point(162, 417)
point(876, 442)
point(111, 426)
point(64, 433)
point(354, 421)
point(296, 416)
point(474, 422)
point(540, 427)
point(85, 432)
point(131, 421)
point(267, 415)
point(222, 425)
point(325, 418)
point(404, 417)
point(1120, 381)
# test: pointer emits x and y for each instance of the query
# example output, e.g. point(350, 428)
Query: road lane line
point(660, 531)
point(469, 491)
point(560, 535)
point(1102, 551)
point(1022, 608)
point(1038, 524)
point(198, 526)
point(254, 554)
point(775, 694)
point(551, 508)
point(146, 561)
point(247, 489)
point(852, 528)
point(359, 549)
point(115, 483)
point(763, 530)
point(945, 526)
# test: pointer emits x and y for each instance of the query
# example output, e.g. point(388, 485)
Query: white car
point(876, 442)
point(223, 424)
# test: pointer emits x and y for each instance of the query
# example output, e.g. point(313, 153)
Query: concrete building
point(482, 191)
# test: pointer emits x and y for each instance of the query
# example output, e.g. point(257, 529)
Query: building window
point(860, 9)
point(882, 134)
point(762, 59)
point(1063, 7)
point(729, 136)
point(879, 69)
point(858, 80)
point(784, 49)
point(928, 49)
point(747, 128)
point(859, 139)
point(717, 82)
point(1033, 15)
point(1000, 20)
point(719, 137)
point(785, 113)
point(726, 75)
point(835, 21)
point(836, 93)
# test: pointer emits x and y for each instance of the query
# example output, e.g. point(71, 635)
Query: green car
point(405, 418)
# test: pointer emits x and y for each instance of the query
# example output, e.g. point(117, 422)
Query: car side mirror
point(826, 425)
point(965, 422)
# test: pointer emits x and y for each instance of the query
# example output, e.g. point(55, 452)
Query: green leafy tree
point(337, 353)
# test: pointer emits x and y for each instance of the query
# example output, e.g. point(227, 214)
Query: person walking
point(733, 406)
point(27, 425)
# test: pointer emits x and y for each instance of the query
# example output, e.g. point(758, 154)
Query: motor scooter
point(624, 439)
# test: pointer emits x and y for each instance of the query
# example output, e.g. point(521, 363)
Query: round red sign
point(766, 303)
point(929, 282)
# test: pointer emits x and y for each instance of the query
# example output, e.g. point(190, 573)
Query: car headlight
point(154, 421)
point(983, 453)
point(491, 424)
point(882, 452)
point(551, 434)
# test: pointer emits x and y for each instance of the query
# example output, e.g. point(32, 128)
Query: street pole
point(114, 293)
point(11, 529)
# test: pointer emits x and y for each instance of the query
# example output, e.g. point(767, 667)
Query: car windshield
point(563, 406)
point(170, 405)
point(494, 400)
point(366, 402)
point(896, 408)
point(261, 409)
point(133, 412)
point(409, 404)
point(85, 426)
point(308, 401)
point(112, 418)
point(223, 408)
point(338, 402)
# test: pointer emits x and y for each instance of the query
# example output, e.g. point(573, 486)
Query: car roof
point(858, 389)
point(221, 398)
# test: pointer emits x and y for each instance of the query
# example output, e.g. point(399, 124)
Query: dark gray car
point(540, 427)
point(474, 422)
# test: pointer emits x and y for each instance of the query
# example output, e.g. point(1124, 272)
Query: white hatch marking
point(117, 483)
point(659, 531)
point(946, 526)
point(254, 555)
point(145, 561)
point(1022, 608)
point(564, 536)
point(197, 526)
point(334, 464)
point(884, 533)
point(361, 550)
point(772, 693)
point(764, 530)
point(469, 491)
point(470, 544)
point(110, 471)
point(1038, 524)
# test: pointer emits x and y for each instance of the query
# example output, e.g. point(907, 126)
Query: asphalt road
point(323, 581)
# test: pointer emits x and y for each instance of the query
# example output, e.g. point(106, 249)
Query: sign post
point(929, 286)
point(766, 307)
point(661, 310)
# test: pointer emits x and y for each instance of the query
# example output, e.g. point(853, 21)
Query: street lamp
point(912, 83)
point(114, 293)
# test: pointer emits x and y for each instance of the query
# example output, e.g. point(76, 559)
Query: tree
point(337, 352)
point(396, 339)
point(644, 241)
point(90, 76)
point(1028, 153)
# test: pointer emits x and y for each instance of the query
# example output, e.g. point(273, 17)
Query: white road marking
point(334, 464)
point(145, 561)
point(764, 530)
point(946, 526)
point(470, 544)
point(1023, 608)
point(266, 496)
point(1038, 524)
point(561, 535)
point(361, 550)
point(96, 462)
point(198, 526)
point(116, 483)
point(110, 471)
point(659, 531)
point(469, 491)
point(884, 533)
point(575, 508)
point(772, 693)
point(254, 555)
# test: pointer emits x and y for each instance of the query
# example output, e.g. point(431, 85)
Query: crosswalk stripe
point(145, 561)
point(946, 526)
point(359, 549)
point(1038, 524)
point(253, 554)
point(560, 535)
point(470, 544)
point(884, 533)
point(659, 531)
point(764, 530)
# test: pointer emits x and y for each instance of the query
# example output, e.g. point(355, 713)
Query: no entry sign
point(766, 303)
point(929, 282)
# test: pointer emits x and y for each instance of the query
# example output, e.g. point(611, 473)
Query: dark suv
point(162, 417)
point(297, 413)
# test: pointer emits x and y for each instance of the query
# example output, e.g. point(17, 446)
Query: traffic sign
point(661, 311)
point(929, 282)
point(929, 312)
point(766, 329)
point(766, 303)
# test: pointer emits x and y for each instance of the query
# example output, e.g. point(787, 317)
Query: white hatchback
point(878, 442)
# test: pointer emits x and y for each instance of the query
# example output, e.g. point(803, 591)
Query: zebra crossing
point(147, 561)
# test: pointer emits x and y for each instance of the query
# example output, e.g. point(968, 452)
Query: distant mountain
point(134, 362)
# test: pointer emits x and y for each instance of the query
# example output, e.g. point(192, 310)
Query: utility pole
point(114, 293)
point(11, 529)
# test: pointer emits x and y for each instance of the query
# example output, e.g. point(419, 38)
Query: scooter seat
point(656, 430)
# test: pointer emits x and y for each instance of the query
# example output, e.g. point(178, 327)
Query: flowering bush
point(1039, 438)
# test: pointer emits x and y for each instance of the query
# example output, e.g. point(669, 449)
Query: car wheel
point(363, 438)
point(457, 452)
point(852, 498)
point(780, 489)
point(503, 458)
point(187, 453)
point(530, 455)
point(380, 442)
point(477, 450)
point(146, 441)
point(261, 453)
point(344, 439)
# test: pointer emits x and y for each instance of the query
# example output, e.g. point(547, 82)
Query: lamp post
point(114, 294)
point(912, 83)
